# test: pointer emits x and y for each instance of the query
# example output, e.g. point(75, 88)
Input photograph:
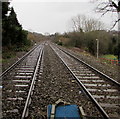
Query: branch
point(102, 8)
point(109, 6)
point(74, 24)
point(114, 5)
point(105, 12)
point(115, 24)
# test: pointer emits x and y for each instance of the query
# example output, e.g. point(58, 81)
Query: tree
point(12, 32)
point(109, 6)
point(112, 6)
point(13, 18)
point(5, 9)
point(83, 23)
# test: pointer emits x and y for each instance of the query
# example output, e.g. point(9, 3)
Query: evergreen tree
point(12, 32)
point(5, 9)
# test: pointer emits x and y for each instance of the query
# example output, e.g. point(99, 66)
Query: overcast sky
point(55, 15)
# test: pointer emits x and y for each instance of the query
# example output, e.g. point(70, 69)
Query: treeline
point(87, 41)
point(84, 35)
point(13, 35)
point(35, 37)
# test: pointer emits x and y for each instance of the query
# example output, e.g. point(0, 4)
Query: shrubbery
point(87, 41)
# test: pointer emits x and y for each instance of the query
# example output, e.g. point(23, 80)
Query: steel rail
point(94, 69)
point(17, 62)
point(104, 114)
point(28, 100)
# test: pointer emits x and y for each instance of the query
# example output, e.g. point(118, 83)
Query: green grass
point(8, 55)
point(25, 48)
point(109, 56)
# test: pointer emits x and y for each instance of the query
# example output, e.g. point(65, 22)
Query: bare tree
point(110, 6)
point(77, 22)
point(83, 23)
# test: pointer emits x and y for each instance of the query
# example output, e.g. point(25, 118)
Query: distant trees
point(35, 37)
point(86, 24)
point(87, 41)
point(84, 35)
point(12, 32)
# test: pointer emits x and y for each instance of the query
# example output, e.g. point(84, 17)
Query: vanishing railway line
point(18, 83)
point(101, 89)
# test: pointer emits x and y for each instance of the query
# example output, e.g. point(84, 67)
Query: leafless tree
point(106, 6)
point(83, 23)
point(111, 6)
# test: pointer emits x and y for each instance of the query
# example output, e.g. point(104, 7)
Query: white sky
point(51, 17)
point(51, 0)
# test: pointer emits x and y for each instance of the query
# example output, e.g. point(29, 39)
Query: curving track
point(101, 89)
point(18, 83)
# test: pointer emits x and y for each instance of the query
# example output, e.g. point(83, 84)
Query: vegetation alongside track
point(84, 35)
point(87, 41)
point(15, 40)
point(111, 57)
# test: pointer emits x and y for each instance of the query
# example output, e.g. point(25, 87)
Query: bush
point(59, 43)
point(87, 41)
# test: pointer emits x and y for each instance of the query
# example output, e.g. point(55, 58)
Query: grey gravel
point(57, 83)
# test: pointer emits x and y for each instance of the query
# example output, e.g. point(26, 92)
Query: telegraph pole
point(97, 48)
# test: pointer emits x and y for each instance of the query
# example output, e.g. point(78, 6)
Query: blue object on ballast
point(65, 112)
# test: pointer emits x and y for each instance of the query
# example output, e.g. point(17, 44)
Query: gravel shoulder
point(12, 60)
point(5, 65)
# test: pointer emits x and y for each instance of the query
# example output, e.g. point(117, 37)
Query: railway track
point(103, 91)
point(18, 84)
point(55, 83)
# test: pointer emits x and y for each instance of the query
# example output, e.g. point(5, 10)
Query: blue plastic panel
point(65, 111)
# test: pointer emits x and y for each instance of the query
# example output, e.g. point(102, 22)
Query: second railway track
point(18, 83)
point(101, 89)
